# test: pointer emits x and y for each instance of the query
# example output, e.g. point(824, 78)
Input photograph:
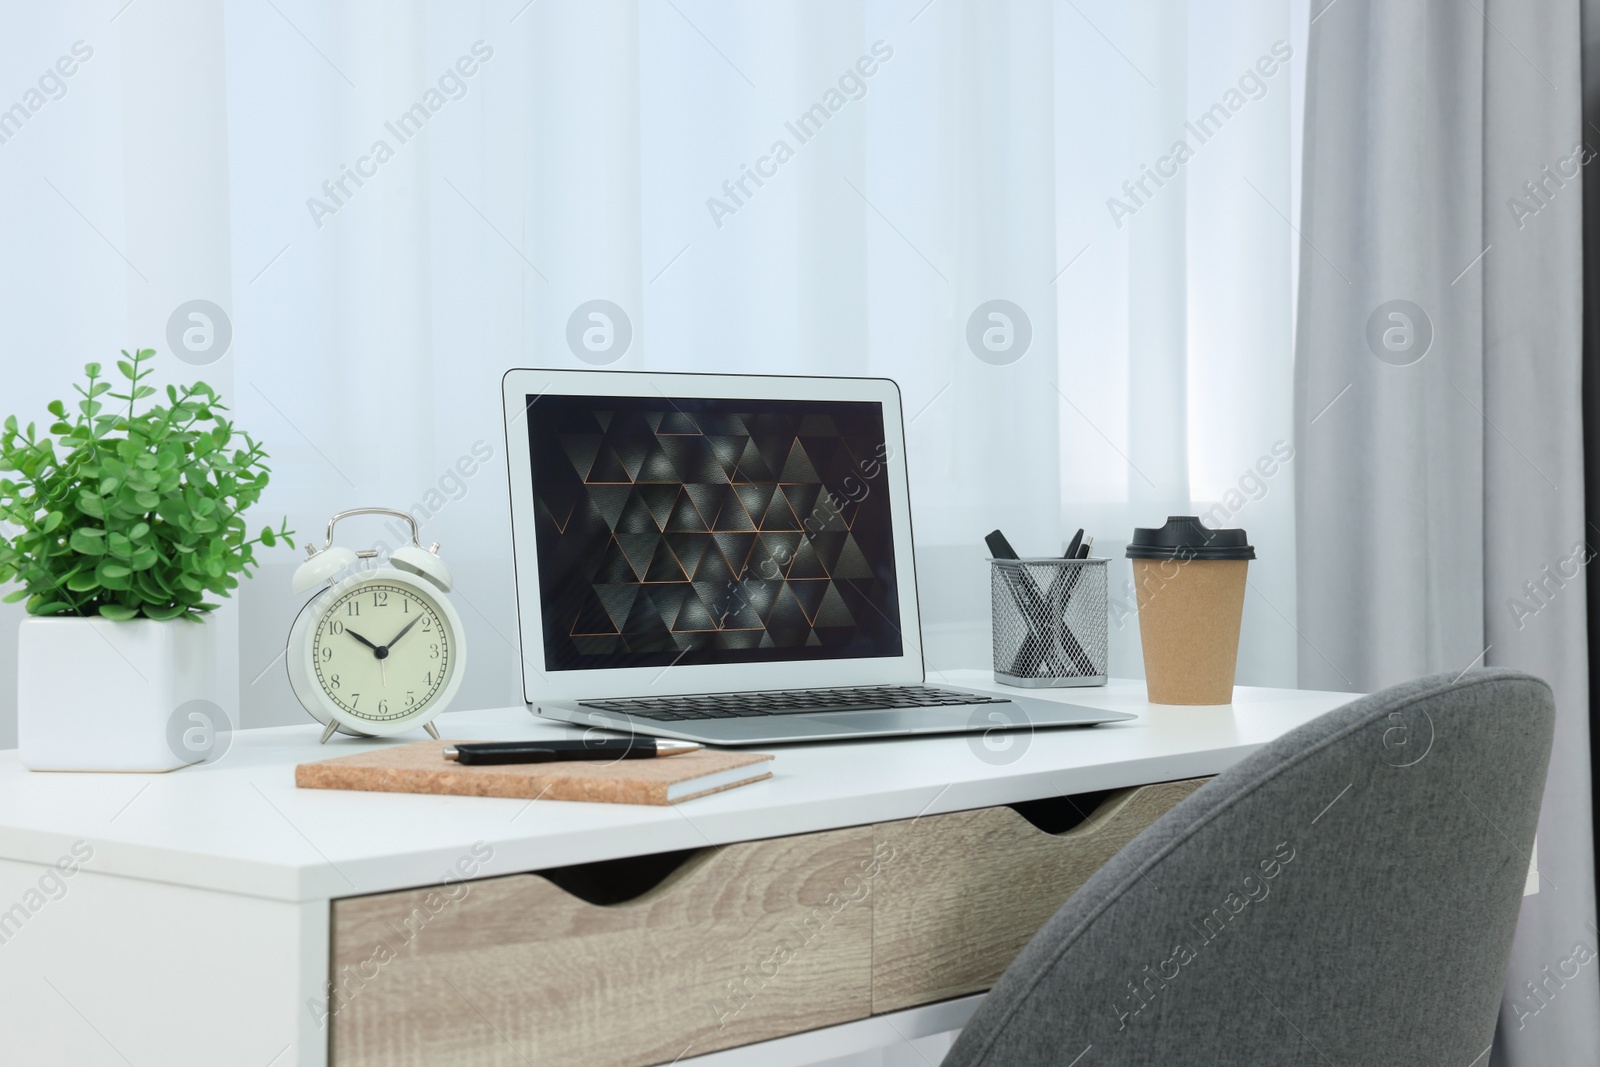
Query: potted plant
point(118, 525)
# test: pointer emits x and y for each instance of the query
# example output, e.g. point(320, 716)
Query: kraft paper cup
point(1189, 615)
point(1190, 583)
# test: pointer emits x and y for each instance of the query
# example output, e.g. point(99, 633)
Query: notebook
point(422, 768)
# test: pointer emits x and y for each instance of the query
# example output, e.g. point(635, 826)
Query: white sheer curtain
point(976, 162)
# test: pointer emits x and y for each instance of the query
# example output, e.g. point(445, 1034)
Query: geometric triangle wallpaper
point(700, 531)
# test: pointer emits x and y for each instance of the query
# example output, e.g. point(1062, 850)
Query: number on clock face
point(381, 652)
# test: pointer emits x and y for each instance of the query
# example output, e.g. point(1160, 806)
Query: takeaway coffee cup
point(1190, 585)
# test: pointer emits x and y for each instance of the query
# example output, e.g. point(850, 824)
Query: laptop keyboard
point(787, 702)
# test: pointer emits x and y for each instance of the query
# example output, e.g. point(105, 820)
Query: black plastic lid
point(1183, 537)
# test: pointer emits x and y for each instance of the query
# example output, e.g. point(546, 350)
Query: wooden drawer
point(959, 895)
point(738, 944)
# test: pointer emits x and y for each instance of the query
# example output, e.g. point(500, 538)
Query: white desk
point(198, 930)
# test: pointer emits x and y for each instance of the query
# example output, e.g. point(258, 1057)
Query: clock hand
point(363, 640)
point(396, 638)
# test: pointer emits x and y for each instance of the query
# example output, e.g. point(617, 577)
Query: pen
point(999, 547)
point(493, 752)
point(1073, 545)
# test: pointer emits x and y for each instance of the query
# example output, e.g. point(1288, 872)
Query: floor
point(923, 1052)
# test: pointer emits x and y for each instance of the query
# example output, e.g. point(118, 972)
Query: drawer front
point(739, 944)
point(961, 894)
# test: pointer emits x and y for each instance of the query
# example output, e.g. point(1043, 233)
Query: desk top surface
point(239, 825)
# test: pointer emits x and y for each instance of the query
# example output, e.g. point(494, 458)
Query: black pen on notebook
point(612, 748)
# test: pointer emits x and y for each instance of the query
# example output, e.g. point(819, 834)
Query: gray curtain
point(1438, 395)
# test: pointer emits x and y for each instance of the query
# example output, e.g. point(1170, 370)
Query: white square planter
point(98, 695)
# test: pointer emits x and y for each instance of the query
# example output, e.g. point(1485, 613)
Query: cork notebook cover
point(422, 768)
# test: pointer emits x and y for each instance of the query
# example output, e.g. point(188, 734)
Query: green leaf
point(162, 614)
point(118, 612)
point(88, 540)
point(57, 408)
point(154, 581)
point(52, 521)
point(15, 596)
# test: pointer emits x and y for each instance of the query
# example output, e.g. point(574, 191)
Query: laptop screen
point(711, 531)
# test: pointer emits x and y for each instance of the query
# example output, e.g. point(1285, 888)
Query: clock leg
point(433, 731)
point(332, 726)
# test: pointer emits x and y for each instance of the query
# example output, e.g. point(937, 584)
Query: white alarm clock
point(379, 650)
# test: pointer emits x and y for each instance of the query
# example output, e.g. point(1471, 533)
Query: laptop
point(726, 559)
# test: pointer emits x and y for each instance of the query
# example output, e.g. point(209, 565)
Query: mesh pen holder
point(1050, 624)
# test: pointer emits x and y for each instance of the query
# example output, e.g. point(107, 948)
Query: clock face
point(382, 651)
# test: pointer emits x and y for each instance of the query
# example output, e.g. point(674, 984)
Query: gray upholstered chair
point(1346, 896)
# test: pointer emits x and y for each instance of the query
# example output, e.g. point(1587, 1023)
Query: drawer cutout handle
point(1057, 815)
point(605, 883)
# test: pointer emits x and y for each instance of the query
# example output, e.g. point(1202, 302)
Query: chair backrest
point(1347, 895)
